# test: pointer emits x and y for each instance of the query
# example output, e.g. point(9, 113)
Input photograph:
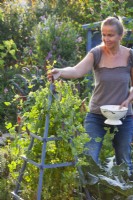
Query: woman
point(112, 65)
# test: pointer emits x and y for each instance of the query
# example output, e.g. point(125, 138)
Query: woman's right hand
point(54, 74)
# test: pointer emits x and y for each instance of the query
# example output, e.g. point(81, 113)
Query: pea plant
point(66, 121)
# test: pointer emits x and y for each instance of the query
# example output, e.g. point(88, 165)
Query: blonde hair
point(117, 21)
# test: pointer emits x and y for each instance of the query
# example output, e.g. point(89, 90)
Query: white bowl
point(113, 113)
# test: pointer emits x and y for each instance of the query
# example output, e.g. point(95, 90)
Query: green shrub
point(57, 40)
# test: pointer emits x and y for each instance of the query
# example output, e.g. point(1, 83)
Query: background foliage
point(34, 36)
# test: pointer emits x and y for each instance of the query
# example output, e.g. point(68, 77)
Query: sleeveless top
point(112, 85)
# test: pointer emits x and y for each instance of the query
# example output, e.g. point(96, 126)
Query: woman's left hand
point(124, 103)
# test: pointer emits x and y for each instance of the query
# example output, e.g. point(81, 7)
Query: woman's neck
point(113, 51)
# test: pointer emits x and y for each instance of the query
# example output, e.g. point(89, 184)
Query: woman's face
point(110, 36)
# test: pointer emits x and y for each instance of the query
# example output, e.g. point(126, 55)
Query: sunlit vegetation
point(36, 36)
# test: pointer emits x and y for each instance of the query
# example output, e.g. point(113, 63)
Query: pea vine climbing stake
point(42, 164)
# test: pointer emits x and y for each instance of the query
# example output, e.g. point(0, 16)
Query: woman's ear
point(121, 38)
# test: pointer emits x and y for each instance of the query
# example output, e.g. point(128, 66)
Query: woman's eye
point(110, 35)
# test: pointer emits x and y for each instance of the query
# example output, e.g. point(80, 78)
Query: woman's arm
point(130, 97)
point(79, 70)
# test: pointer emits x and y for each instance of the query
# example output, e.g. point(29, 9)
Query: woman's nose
point(106, 38)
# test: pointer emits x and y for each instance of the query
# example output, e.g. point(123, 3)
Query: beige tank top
point(111, 84)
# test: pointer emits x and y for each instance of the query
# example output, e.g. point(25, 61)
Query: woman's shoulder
point(129, 53)
point(96, 49)
point(126, 49)
point(97, 53)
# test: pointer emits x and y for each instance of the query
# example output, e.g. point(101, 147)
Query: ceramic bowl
point(113, 113)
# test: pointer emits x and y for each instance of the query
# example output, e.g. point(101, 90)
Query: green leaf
point(1, 47)
point(7, 103)
point(30, 86)
point(1, 15)
point(1, 62)
point(12, 52)
point(9, 125)
point(114, 183)
point(16, 66)
point(91, 179)
point(98, 139)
